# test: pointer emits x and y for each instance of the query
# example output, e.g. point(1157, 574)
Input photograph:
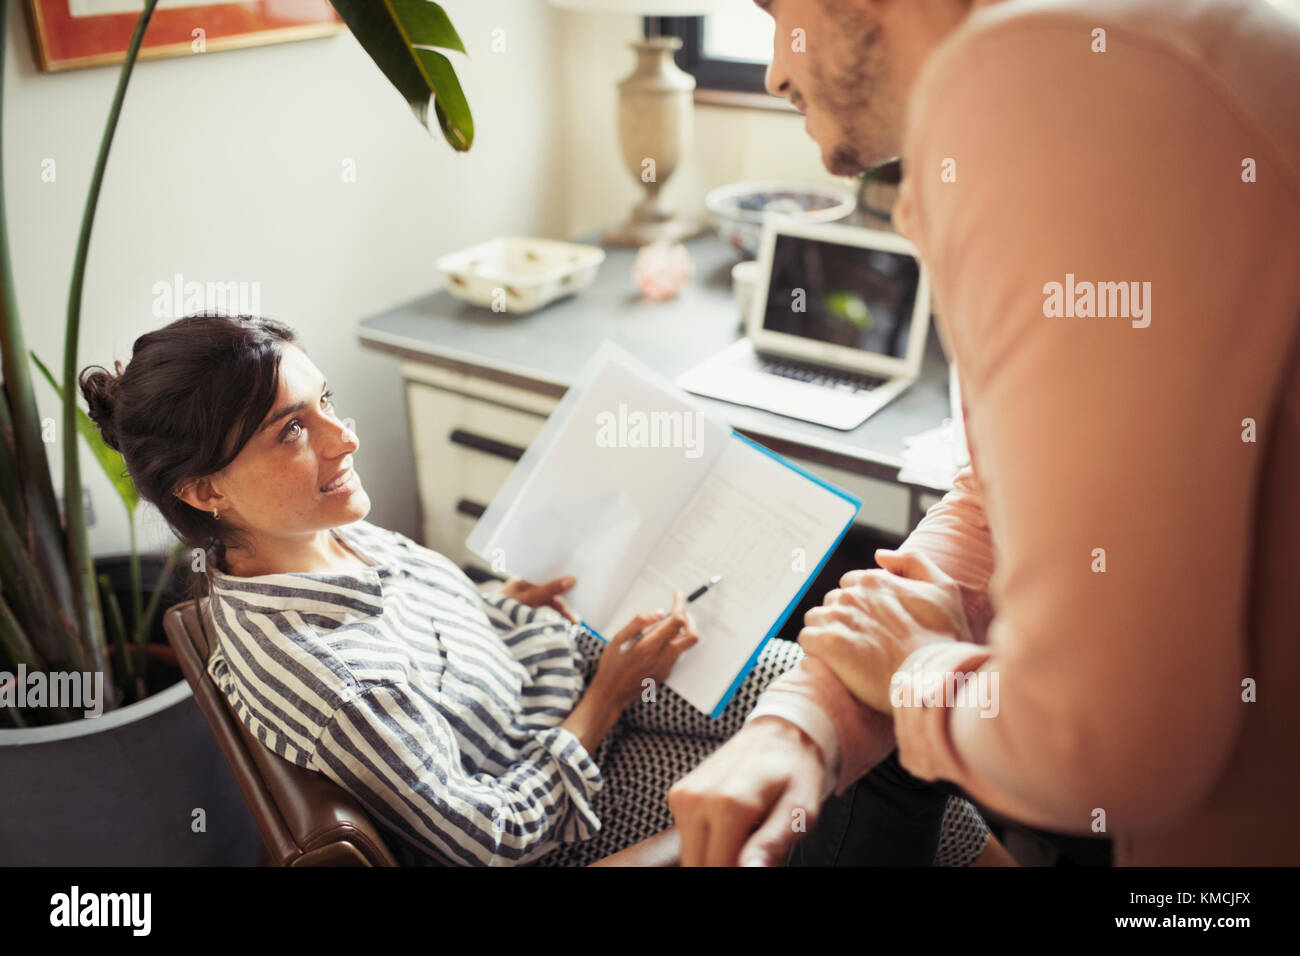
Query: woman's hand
point(627, 662)
point(541, 595)
point(866, 629)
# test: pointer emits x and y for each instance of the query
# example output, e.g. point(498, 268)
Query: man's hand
point(752, 799)
point(866, 629)
point(541, 595)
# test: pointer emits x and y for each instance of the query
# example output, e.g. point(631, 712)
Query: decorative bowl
point(740, 209)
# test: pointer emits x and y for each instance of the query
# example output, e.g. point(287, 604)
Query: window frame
point(711, 73)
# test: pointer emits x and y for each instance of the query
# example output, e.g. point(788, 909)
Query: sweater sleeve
point(543, 641)
point(393, 749)
point(955, 535)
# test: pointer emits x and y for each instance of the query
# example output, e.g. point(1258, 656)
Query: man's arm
point(954, 534)
point(852, 737)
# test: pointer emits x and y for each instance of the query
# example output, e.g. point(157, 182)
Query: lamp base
point(643, 233)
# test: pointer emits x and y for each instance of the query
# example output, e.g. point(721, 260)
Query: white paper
point(933, 457)
point(764, 528)
point(633, 522)
point(586, 508)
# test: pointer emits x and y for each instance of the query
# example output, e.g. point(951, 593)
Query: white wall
point(227, 167)
point(731, 145)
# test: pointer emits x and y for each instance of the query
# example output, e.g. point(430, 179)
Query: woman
point(478, 727)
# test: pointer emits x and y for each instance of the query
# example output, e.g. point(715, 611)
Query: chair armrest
point(662, 849)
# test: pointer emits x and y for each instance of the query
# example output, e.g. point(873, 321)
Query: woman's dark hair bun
point(99, 386)
point(192, 396)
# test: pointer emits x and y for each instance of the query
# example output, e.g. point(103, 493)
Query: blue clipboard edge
point(789, 608)
point(725, 699)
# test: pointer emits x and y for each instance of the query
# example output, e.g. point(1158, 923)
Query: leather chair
point(305, 818)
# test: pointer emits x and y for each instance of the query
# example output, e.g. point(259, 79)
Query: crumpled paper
point(934, 457)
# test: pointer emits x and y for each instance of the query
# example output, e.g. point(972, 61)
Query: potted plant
point(107, 759)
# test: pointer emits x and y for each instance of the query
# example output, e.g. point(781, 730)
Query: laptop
point(836, 328)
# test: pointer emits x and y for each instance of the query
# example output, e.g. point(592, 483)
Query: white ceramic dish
point(519, 274)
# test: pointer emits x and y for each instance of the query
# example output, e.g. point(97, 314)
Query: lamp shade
point(645, 8)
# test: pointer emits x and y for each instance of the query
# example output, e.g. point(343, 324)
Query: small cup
point(744, 279)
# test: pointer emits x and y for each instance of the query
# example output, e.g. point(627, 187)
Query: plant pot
point(122, 789)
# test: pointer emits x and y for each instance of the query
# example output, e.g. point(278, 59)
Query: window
point(723, 51)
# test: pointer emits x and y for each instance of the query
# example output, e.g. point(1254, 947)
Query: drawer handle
point(488, 445)
point(470, 509)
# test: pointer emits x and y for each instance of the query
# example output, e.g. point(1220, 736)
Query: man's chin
point(839, 162)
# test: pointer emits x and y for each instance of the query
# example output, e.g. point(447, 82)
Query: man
point(1106, 194)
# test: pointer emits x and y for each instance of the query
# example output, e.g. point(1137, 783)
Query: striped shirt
point(437, 706)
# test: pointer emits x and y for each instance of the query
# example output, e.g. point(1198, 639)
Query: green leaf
point(15, 641)
point(81, 566)
point(35, 607)
point(36, 513)
point(115, 625)
point(144, 621)
point(112, 463)
point(11, 491)
point(399, 36)
point(453, 112)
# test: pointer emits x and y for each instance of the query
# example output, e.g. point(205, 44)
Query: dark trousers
point(888, 818)
point(891, 818)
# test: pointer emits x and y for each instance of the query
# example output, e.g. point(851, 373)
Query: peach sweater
point(1033, 157)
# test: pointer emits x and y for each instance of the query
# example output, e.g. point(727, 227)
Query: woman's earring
point(216, 514)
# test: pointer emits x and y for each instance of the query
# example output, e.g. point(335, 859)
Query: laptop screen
point(844, 295)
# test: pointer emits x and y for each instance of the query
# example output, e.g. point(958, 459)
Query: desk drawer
point(465, 448)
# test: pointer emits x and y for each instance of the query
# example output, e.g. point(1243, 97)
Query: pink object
point(662, 268)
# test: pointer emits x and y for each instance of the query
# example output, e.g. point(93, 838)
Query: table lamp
point(656, 109)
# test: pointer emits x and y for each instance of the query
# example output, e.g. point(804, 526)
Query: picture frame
point(70, 34)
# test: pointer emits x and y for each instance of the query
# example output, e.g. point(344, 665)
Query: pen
point(697, 593)
point(700, 591)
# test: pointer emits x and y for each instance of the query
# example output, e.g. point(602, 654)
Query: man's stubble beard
point(856, 101)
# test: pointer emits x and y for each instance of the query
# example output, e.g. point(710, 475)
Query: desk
point(479, 384)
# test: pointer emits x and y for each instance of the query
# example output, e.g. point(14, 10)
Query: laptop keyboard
point(819, 374)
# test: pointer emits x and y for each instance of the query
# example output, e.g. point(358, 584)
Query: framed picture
point(73, 33)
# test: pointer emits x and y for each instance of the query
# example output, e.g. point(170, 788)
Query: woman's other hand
point(628, 662)
point(541, 595)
